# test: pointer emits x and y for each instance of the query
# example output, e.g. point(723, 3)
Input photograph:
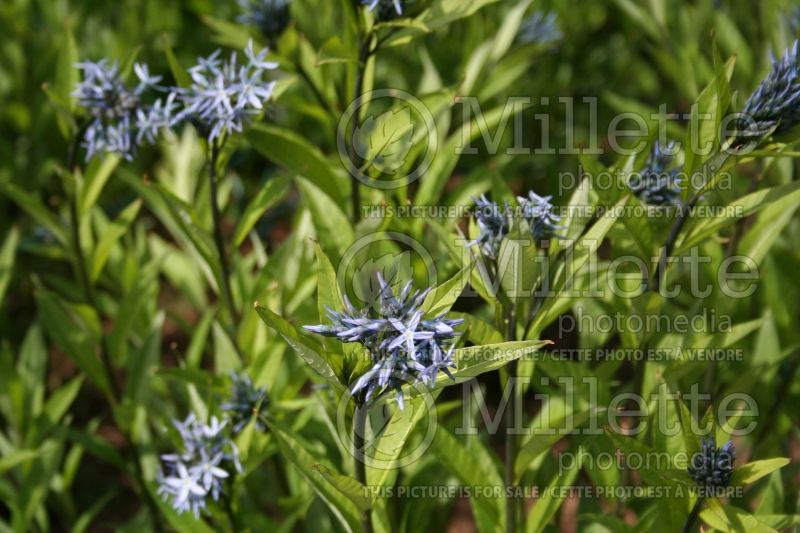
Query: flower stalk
point(360, 466)
point(688, 526)
point(219, 239)
point(114, 394)
point(512, 504)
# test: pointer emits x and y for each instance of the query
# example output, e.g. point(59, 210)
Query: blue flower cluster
point(199, 471)
point(271, 17)
point(246, 402)
point(222, 97)
point(224, 94)
point(659, 182)
point(403, 345)
point(540, 215)
point(119, 118)
point(712, 467)
point(494, 223)
point(541, 28)
point(384, 9)
point(775, 104)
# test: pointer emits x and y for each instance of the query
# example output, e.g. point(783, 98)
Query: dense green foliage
point(136, 293)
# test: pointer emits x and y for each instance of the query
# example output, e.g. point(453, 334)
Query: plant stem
point(511, 411)
point(81, 269)
point(355, 159)
point(114, 395)
point(359, 427)
point(692, 518)
point(675, 230)
point(714, 164)
point(229, 512)
point(219, 241)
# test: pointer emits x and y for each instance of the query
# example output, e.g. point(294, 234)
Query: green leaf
point(304, 347)
point(384, 142)
point(341, 506)
point(390, 442)
point(293, 152)
point(66, 74)
point(8, 255)
point(476, 360)
point(440, 14)
point(482, 472)
point(194, 376)
point(142, 294)
point(443, 296)
point(15, 458)
point(752, 472)
point(96, 177)
point(538, 443)
point(60, 401)
point(745, 206)
point(180, 74)
point(34, 208)
point(732, 520)
point(548, 503)
point(96, 446)
point(63, 324)
point(509, 29)
point(567, 271)
point(355, 491)
point(226, 358)
point(335, 51)
point(334, 231)
point(113, 233)
point(690, 441)
point(267, 196)
point(517, 264)
point(140, 367)
point(328, 292)
point(31, 368)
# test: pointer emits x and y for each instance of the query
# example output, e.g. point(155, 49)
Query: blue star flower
point(245, 403)
point(541, 28)
point(659, 182)
point(403, 345)
point(775, 104)
point(199, 469)
point(494, 223)
point(540, 215)
point(384, 9)
point(271, 17)
point(119, 118)
point(224, 95)
point(712, 467)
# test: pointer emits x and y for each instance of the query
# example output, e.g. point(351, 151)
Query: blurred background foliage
point(630, 55)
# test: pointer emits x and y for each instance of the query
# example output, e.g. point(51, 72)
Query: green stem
point(692, 518)
point(219, 241)
point(510, 439)
point(114, 395)
point(359, 427)
point(229, 512)
point(355, 184)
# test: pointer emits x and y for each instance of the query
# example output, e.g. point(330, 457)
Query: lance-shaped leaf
point(351, 488)
point(326, 367)
point(548, 503)
point(482, 472)
point(384, 142)
point(476, 360)
point(542, 439)
point(752, 472)
point(341, 506)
